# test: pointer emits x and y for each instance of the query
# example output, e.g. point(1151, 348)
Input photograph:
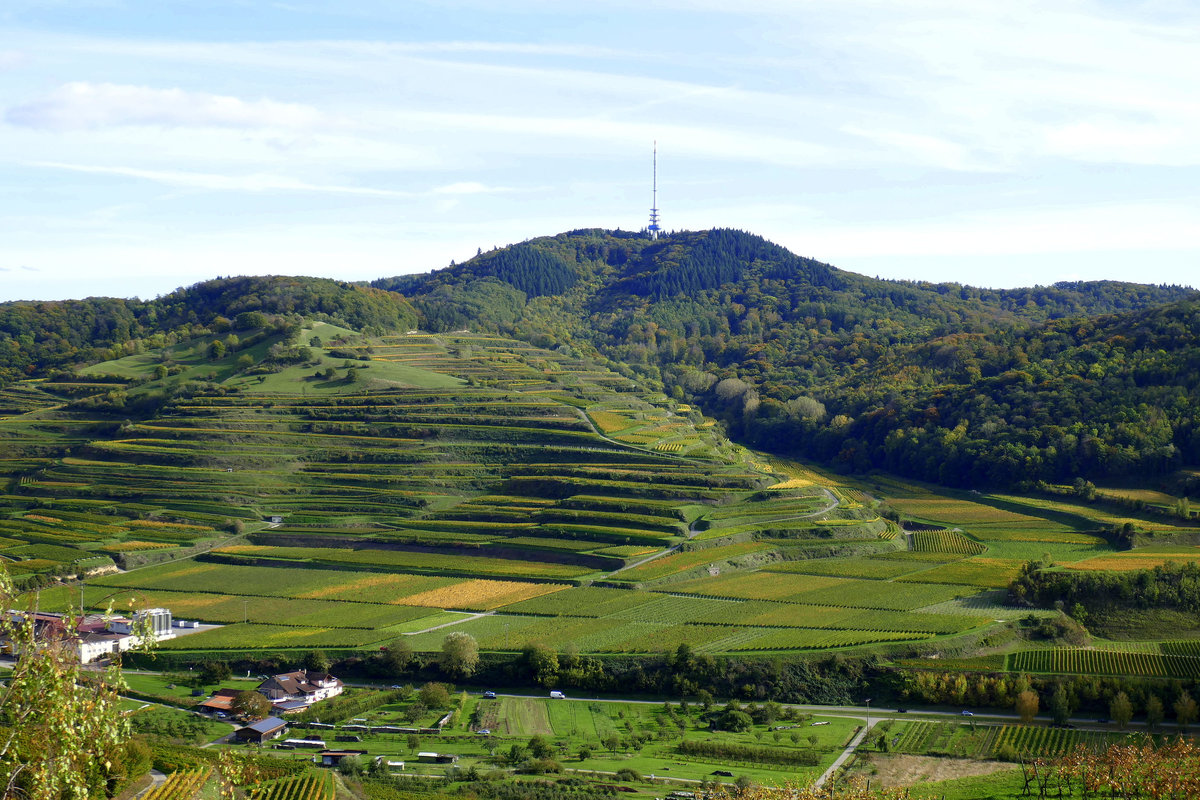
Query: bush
point(628, 774)
point(1006, 752)
point(540, 766)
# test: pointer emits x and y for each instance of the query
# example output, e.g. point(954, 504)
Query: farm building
point(303, 685)
point(436, 758)
point(261, 731)
point(97, 636)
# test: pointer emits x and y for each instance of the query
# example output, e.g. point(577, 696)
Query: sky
point(147, 145)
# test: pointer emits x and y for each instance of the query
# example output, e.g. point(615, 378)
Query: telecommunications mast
point(654, 226)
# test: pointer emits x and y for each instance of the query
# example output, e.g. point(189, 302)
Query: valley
point(568, 465)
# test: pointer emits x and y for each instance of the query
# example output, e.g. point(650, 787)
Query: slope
point(797, 356)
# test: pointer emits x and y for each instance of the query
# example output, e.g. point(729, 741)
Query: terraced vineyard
point(446, 477)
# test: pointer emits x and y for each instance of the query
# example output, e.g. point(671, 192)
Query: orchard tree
point(460, 653)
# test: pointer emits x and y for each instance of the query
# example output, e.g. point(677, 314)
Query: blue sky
point(148, 145)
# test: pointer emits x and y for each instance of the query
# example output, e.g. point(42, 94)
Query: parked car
point(490, 695)
point(968, 713)
point(815, 724)
point(557, 695)
point(901, 710)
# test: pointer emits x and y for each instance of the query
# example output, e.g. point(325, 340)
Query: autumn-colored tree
point(63, 730)
point(1027, 705)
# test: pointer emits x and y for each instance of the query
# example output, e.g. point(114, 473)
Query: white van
point(557, 695)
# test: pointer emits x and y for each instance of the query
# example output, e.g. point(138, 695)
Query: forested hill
point(947, 382)
point(38, 336)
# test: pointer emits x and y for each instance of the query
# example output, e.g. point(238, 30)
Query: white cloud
point(469, 187)
point(257, 182)
point(96, 105)
point(1095, 229)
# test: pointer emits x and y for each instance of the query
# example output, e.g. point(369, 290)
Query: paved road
point(846, 753)
point(156, 779)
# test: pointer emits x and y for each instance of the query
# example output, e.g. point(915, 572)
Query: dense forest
point(951, 383)
point(36, 337)
point(1173, 585)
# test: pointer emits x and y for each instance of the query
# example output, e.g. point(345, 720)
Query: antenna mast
point(654, 226)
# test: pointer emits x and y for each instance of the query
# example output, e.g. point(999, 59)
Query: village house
point(304, 686)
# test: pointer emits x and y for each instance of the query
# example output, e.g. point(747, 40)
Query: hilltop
point(945, 382)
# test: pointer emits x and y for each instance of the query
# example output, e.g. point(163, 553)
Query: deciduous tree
point(460, 653)
point(250, 704)
point(1120, 710)
point(1027, 705)
point(63, 732)
point(1185, 710)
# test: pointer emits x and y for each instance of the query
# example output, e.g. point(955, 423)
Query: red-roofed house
point(221, 700)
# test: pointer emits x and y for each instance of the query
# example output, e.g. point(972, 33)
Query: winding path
point(692, 531)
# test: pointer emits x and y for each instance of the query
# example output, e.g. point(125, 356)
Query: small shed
point(261, 731)
point(312, 744)
point(331, 758)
